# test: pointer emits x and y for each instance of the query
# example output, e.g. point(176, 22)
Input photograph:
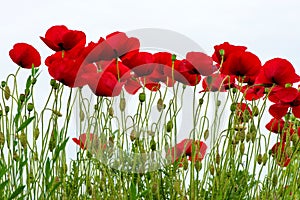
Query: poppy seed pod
point(30, 107)
point(142, 97)
point(6, 92)
point(160, 105)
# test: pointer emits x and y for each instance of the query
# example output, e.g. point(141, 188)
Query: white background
point(269, 28)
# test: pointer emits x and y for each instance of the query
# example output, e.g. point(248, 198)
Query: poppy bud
point(185, 163)
point(234, 90)
point(198, 165)
point(222, 52)
point(36, 133)
point(295, 138)
point(122, 104)
point(242, 135)
point(259, 159)
point(33, 81)
point(201, 101)
point(6, 92)
point(56, 86)
point(23, 140)
point(3, 84)
point(255, 111)
point(142, 97)
point(22, 98)
point(265, 158)
point(218, 158)
point(52, 142)
point(275, 180)
point(246, 116)
point(173, 57)
point(30, 107)
point(154, 188)
point(152, 145)
point(2, 138)
point(212, 169)
point(57, 113)
point(160, 105)
point(169, 126)
point(81, 115)
point(218, 103)
point(52, 82)
point(133, 135)
point(233, 107)
point(206, 134)
point(242, 148)
point(16, 156)
point(111, 111)
point(7, 109)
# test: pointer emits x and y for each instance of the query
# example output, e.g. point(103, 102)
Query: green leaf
point(59, 148)
point(28, 82)
point(47, 169)
point(17, 192)
point(25, 123)
point(133, 191)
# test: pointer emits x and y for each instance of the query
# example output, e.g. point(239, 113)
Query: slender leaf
point(25, 123)
point(18, 191)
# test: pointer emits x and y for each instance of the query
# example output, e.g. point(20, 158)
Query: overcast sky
point(269, 28)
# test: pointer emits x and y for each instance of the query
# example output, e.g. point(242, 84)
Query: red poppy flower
point(279, 109)
point(60, 38)
point(241, 64)
point(142, 63)
point(25, 55)
point(202, 63)
point(105, 84)
point(218, 82)
point(132, 85)
point(116, 45)
point(279, 153)
point(252, 92)
point(227, 49)
point(186, 148)
point(68, 67)
point(277, 71)
point(281, 127)
point(184, 73)
point(91, 143)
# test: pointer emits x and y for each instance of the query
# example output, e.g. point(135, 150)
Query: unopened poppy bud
point(122, 104)
point(16, 156)
point(152, 145)
point(242, 135)
point(234, 90)
point(7, 109)
point(22, 98)
point(36, 133)
point(233, 107)
point(287, 85)
point(212, 169)
point(81, 115)
point(185, 163)
point(154, 188)
point(53, 82)
point(111, 111)
point(3, 84)
point(160, 105)
point(169, 126)
point(33, 81)
point(198, 165)
point(255, 111)
point(177, 186)
point(56, 86)
point(133, 135)
point(6, 92)
point(173, 57)
point(27, 92)
point(242, 148)
point(206, 134)
point(259, 158)
point(30, 107)
point(275, 180)
point(295, 138)
point(201, 101)
point(246, 116)
point(289, 151)
point(23, 140)
point(52, 142)
point(218, 103)
point(142, 97)
point(57, 113)
point(265, 158)
point(222, 52)
point(218, 158)
point(2, 138)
